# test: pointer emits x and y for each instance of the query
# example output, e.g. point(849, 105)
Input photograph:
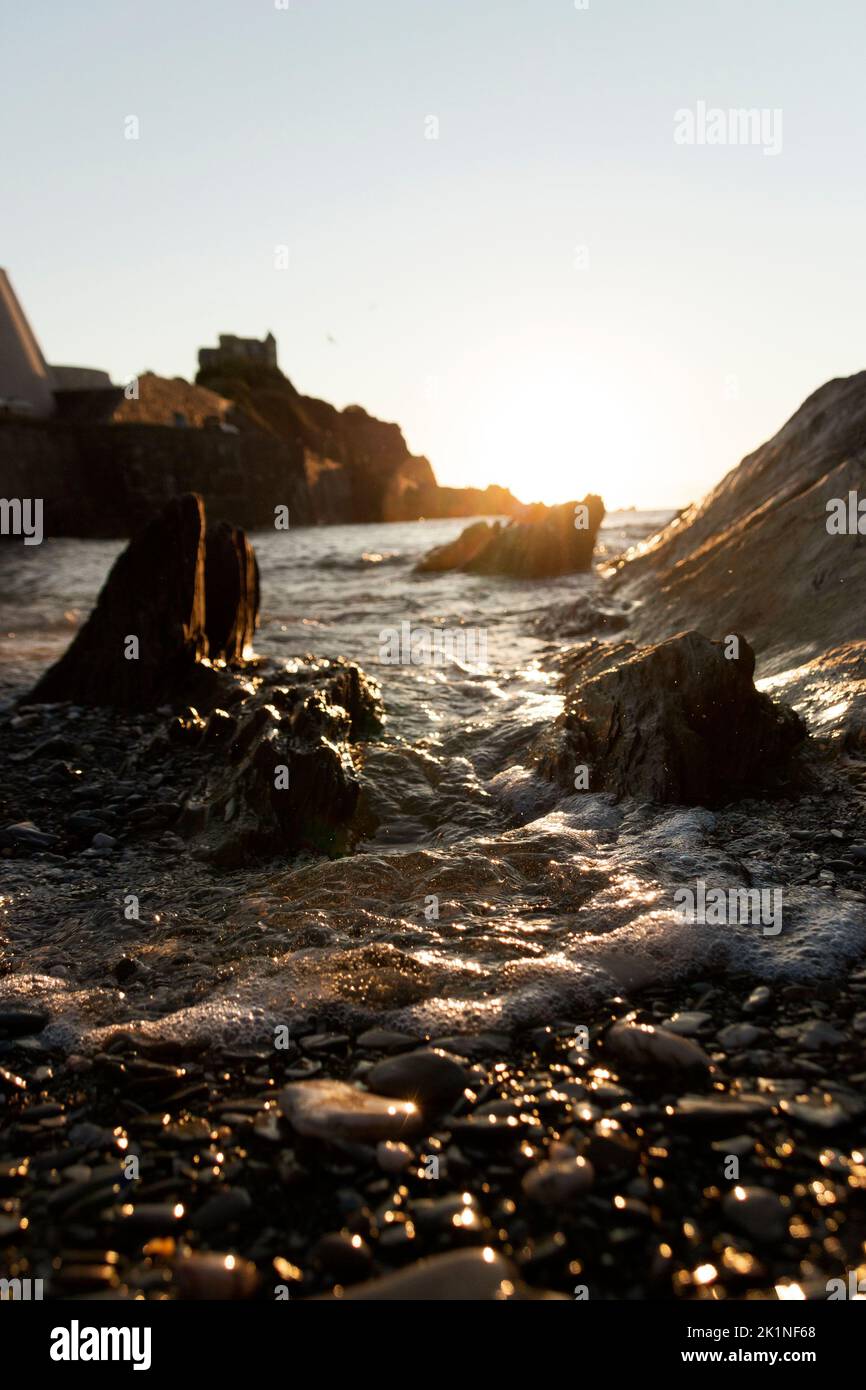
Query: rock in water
point(286, 778)
point(679, 722)
point(231, 592)
point(154, 594)
point(544, 542)
point(150, 627)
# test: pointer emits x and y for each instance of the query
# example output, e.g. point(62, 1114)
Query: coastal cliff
point(244, 439)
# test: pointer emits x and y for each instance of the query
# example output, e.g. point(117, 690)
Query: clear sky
point(441, 282)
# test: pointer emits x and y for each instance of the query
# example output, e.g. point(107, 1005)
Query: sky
point(491, 225)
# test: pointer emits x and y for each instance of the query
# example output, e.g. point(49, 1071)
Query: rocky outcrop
point(276, 769)
point(108, 461)
point(542, 543)
point(756, 555)
point(678, 722)
point(149, 630)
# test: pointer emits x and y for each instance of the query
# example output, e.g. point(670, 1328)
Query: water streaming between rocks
point(481, 896)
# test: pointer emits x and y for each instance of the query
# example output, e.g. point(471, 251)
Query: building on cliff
point(232, 349)
point(28, 385)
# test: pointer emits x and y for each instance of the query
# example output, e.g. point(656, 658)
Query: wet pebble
point(335, 1110)
point(553, 1182)
point(644, 1045)
point(393, 1157)
point(211, 1275)
point(428, 1076)
point(757, 1211)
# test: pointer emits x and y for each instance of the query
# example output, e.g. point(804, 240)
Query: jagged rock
point(679, 722)
point(756, 554)
point(544, 542)
point(231, 592)
point(156, 593)
point(283, 777)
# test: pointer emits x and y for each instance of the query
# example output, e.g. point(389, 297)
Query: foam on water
point(545, 903)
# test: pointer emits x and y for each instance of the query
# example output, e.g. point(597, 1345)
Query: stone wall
point(107, 480)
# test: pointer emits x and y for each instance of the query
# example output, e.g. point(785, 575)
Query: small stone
point(345, 1256)
point(477, 1275)
point(191, 1129)
point(686, 1024)
point(393, 1157)
point(757, 1211)
point(561, 1181)
point(739, 1035)
point(818, 1034)
point(103, 841)
point(716, 1111)
point(816, 1114)
point(644, 1045)
point(385, 1040)
point(758, 1000)
point(428, 1077)
point(335, 1110)
point(215, 1276)
point(18, 1023)
point(740, 1145)
point(222, 1209)
point(456, 1210)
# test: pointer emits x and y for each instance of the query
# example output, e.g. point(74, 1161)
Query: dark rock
point(644, 1046)
point(286, 781)
point(757, 1211)
point(231, 592)
point(347, 1258)
point(474, 1275)
point(26, 835)
point(156, 592)
point(21, 1023)
point(544, 542)
point(428, 1077)
point(678, 722)
point(222, 1209)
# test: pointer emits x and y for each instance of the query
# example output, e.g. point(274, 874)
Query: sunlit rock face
point(179, 593)
point(830, 694)
point(678, 722)
point(756, 555)
point(544, 542)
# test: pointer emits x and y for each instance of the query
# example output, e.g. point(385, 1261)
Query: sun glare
point(550, 438)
